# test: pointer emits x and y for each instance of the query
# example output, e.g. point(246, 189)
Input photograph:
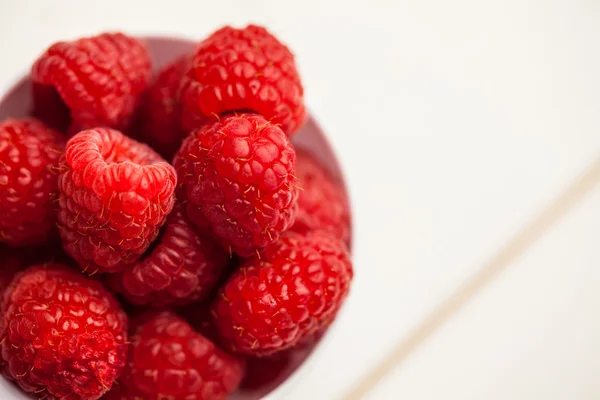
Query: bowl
point(271, 378)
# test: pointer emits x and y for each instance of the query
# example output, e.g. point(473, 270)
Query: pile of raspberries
point(158, 234)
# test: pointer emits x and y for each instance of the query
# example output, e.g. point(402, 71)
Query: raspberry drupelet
point(237, 180)
point(115, 194)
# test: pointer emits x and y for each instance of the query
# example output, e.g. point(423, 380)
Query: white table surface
point(456, 123)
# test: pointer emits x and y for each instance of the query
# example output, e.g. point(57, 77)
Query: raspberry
point(99, 79)
point(160, 111)
point(115, 194)
point(63, 334)
point(29, 155)
point(182, 268)
point(244, 70)
point(237, 176)
point(322, 202)
point(293, 290)
point(169, 360)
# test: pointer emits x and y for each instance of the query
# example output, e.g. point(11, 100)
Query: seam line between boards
point(498, 263)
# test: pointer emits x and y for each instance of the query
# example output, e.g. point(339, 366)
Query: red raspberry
point(322, 202)
point(182, 268)
point(169, 360)
point(29, 154)
point(115, 194)
point(160, 113)
point(294, 289)
point(244, 70)
point(237, 177)
point(100, 79)
point(62, 334)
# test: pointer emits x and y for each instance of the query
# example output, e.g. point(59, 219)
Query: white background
point(456, 122)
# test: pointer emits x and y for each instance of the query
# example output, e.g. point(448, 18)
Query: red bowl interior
point(264, 375)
